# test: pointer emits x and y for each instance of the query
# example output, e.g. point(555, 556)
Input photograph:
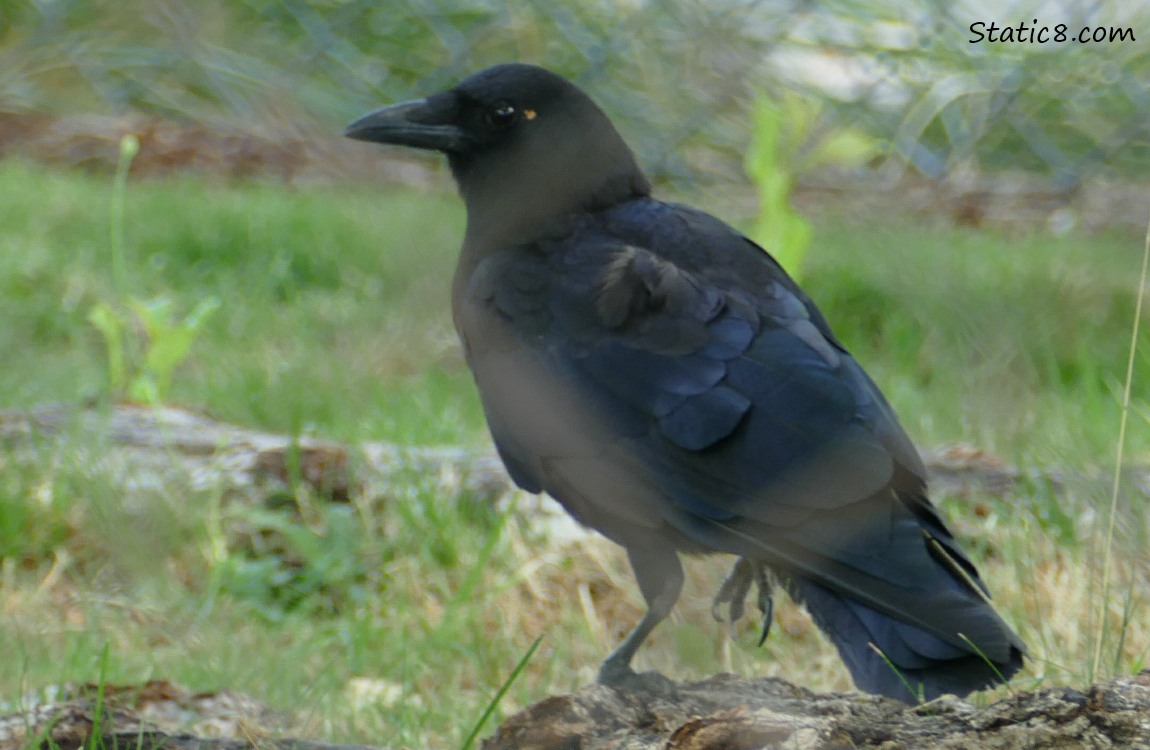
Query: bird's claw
point(767, 608)
point(733, 593)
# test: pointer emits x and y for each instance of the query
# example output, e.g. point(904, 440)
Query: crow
point(662, 377)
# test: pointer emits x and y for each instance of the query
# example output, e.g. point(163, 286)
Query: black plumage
point(663, 378)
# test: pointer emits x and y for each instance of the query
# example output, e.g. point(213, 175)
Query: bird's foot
point(733, 593)
point(614, 672)
point(619, 675)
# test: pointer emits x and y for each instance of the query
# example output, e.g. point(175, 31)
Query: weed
point(787, 139)
point(143, 340)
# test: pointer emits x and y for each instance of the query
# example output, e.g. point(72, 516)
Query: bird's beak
point(418, 124)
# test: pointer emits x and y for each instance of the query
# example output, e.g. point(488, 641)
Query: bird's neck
point(509, 214)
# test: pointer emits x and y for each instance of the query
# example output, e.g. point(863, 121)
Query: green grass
point(333, 302)
point(334, 319)
point(1017, 344)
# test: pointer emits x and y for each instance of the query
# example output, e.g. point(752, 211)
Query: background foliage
point(676, 75)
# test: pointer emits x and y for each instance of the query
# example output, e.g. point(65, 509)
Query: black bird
point(663, 378)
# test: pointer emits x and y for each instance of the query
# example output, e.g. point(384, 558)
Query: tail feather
point(913, 663)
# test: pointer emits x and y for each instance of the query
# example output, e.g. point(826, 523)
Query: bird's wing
point(740, 397)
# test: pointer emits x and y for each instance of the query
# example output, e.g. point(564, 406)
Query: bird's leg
point(733, 592)
point(660, 578)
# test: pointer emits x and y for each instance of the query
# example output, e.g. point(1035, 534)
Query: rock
point(733, 713)
point(723, 712)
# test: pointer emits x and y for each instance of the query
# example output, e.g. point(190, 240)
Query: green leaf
point(845, 147)
point(111, 327)
point(168, 344)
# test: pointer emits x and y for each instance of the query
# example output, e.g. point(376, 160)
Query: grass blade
point(500, 693)
point(1108, 549)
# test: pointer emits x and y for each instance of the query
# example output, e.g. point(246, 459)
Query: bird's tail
point(900, 660)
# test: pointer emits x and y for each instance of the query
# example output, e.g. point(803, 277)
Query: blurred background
point(679, 78)
point(182, 227)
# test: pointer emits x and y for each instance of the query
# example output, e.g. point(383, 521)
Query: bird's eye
point(502, 115)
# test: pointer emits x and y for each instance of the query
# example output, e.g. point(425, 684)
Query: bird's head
point(525, 145)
